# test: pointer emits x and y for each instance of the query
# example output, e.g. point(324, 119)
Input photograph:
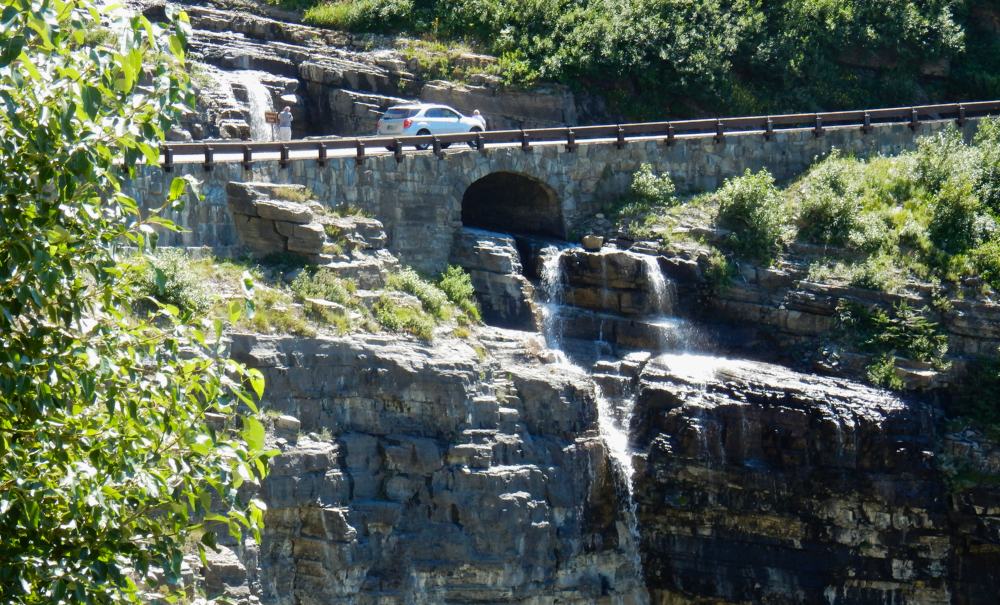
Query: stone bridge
point(546, 190)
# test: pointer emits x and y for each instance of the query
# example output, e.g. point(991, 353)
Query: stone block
point(307, 239)
point(285, 228)
point(278, 210)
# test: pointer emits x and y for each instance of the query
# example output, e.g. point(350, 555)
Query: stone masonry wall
point(420, 199)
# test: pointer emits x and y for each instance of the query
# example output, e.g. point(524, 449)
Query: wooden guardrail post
point(818, 130)
point(321, 156)
point(570, 140)
point(209, 159)
point(961, 116)
point(359, 159)
point(914, 119)
point(525, 142)
point(168, 159)
point(397, 150)
point(436, 148)
point(283, 156)
point(671, 135)
point(620, 142)
point(481, 143)
point(720, 132)
point(247, 158)
point(768, 129)
point(866, 127)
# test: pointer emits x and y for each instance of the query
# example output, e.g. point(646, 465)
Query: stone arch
point(513, 202)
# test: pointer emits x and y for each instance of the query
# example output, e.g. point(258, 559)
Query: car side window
point(433, 112)
point(447, 113)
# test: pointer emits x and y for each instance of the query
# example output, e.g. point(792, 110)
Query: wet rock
point(796, 489)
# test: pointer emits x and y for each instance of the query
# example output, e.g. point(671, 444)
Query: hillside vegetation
point(930, 216)
point(680, 57)
point(925, 221)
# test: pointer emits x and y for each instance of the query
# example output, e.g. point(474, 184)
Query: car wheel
point(474, 129)
point(445, 145)
point(422, 146)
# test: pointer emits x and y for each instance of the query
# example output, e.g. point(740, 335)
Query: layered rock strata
point(504, 294)
point(760, 485)
point(422, 475)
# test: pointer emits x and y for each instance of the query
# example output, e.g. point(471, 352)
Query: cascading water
point(260, 101)
point(554, 291)
point(614, 417)
point(664, 294)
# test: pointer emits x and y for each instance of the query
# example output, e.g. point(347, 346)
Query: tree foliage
point(106, 461)
point(658, 59)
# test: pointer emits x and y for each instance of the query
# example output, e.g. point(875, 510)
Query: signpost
point(271, 117)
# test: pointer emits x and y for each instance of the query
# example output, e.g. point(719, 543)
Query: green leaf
point(10, 49)
point(177, 47)
point(256, 381)
point(161, 281)
point(235, 311)
point(177, 188)
point(253, 433)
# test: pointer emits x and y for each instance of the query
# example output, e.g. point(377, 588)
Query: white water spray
point(260, 101)
point(554, 291)
point(614, 417)
point(664, 294)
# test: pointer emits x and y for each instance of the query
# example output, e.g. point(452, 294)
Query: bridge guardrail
point(573, 135)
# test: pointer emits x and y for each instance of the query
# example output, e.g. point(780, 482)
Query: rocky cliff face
point(761, 485)
point(421, 474)
point(337, 83)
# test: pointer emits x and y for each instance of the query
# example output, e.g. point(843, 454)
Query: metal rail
point(573, 135)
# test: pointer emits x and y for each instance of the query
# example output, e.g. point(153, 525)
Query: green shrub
point(871, 232)
point(273, 315)
point(431, 297)
point(339, 240)
point(882, 373)
point(877, 273)
point(457, 285)
point(361, 15)
point(751, 208)
point(942, 157)
point(651, 189)
point(400, 318)
point(958, 222)
point(986, 260)
point(325, 285)
point(988, 141)
point(170, 279)
point(906, 332)
point(830, 200)
point(720, 272)
point(827, 218)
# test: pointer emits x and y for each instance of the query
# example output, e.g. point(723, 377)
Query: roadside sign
point(271, 117)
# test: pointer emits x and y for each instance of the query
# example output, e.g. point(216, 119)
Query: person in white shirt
point(285, 124)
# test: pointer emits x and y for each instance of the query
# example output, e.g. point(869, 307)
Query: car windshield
point(400, 113)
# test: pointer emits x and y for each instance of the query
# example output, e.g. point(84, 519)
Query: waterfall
point(664, 294)
point(554, 291)
point(260, 101)
point(614, 422)
point(614, 417)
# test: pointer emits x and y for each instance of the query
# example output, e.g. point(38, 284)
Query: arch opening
point(513, 203)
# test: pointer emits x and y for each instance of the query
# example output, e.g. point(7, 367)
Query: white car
point(427, 118)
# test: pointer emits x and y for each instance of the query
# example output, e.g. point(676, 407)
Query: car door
point(432, 117)
point(450, 121)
